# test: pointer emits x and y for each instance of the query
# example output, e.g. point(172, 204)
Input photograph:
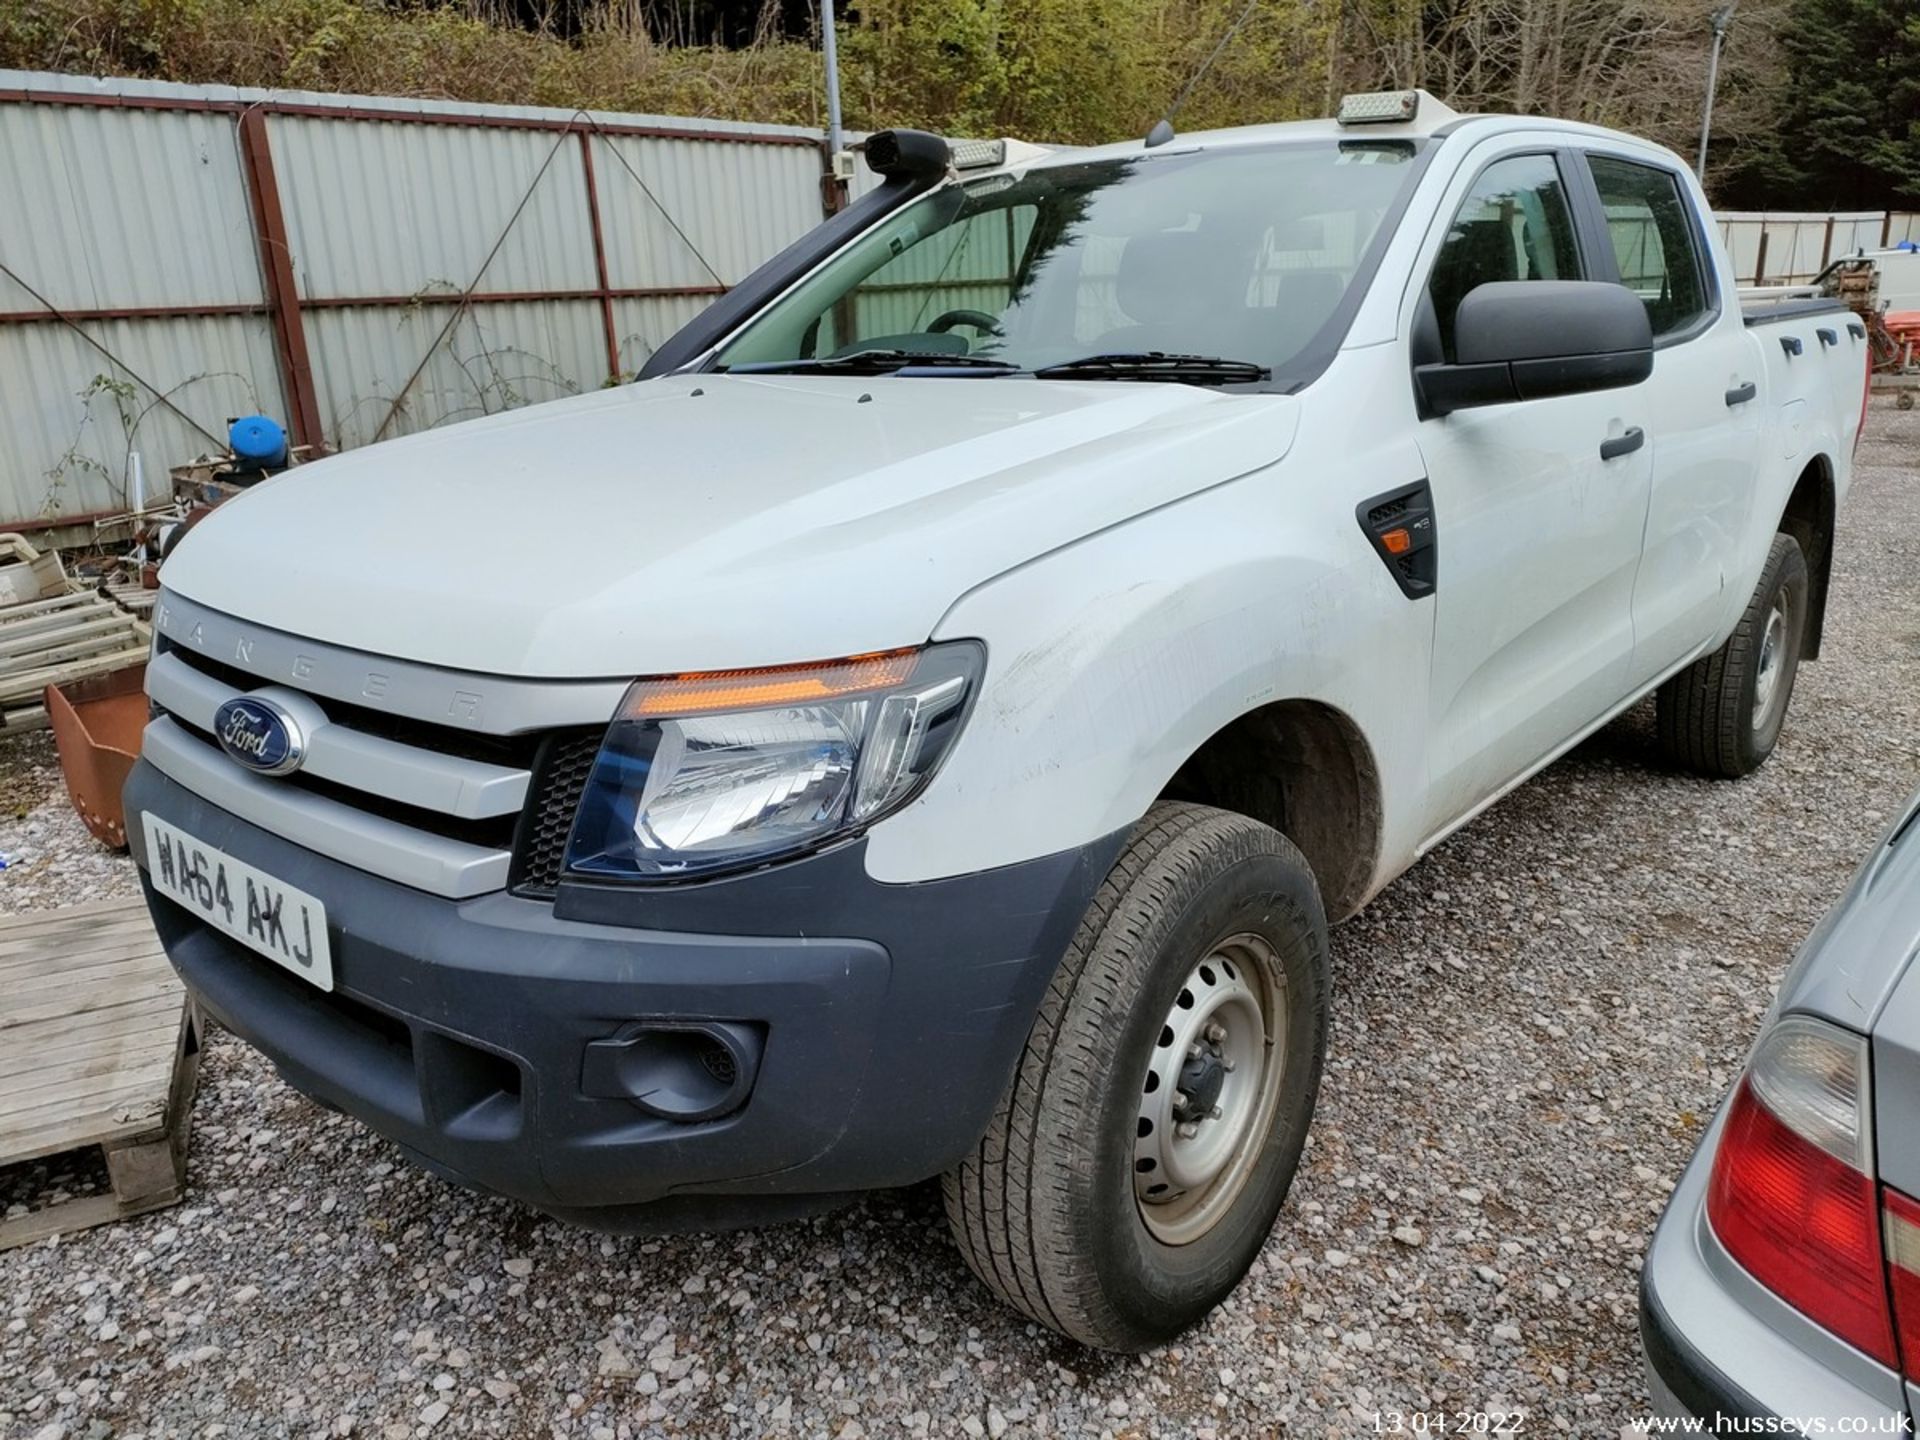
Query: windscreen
point(1237, 252)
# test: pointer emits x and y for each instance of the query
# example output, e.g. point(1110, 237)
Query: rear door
point(1539, 536)
point(1702, 407)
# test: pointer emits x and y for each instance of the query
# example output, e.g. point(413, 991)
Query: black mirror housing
point(1530, 339)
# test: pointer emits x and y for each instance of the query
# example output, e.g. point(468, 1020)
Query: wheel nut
point(1187, 1129)
point(1216, 1032)
point(1214, 1114)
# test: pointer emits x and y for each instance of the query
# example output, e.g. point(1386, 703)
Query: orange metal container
point(97, 724)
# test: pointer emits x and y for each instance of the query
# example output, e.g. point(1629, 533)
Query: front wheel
point(1134, 1166)
point(1722, 714)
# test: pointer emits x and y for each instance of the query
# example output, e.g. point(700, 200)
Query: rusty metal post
point(1760, 258)
point(612, 331)
point(1886, 229)
point(1826, 245)
point(833, 195)
point(283, 297)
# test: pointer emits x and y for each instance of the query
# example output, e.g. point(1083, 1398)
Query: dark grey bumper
point(1682, 1380)
point(461, 1029)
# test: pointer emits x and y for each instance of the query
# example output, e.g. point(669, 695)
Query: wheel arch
point(1809, 519)
point(1305, 768)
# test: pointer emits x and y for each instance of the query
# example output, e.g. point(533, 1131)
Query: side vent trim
point(1401, 527)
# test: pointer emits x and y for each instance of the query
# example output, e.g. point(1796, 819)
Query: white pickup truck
point(925, 726)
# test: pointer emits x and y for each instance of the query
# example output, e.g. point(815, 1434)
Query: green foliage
point(1078, 71)
point(368, 47)
point(1847, 132)
point(1819, 100)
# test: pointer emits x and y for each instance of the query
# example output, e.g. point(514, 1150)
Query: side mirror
point(1528, 339)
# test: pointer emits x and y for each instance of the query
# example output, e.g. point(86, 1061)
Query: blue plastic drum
point(258, 442)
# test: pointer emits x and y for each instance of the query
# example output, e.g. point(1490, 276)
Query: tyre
point(1134, 1166)
point(1722, 714)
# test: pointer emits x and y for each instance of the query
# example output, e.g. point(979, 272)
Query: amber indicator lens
point(780, 685)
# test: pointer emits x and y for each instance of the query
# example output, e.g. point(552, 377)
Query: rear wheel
point(1722, 715)
point(1135, 1165)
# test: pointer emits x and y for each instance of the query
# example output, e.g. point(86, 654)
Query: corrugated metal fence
point(172, 256)
point(1774, 248)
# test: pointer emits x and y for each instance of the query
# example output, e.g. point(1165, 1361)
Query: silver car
point(1783, 1282)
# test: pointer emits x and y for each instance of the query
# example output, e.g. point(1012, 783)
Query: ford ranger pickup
point(925, 726)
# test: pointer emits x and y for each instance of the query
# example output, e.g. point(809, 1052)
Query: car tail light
point(1792, 1196)
point(1902, 1217)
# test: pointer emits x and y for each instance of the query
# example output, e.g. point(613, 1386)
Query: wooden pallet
point(57, 640)
point(98, 1046)
point(27, 573)
point(131, 596)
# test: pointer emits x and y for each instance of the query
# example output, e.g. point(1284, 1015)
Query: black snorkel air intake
point(909, 163)
point(908, 155)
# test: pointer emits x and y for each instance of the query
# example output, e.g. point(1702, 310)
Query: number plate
point(286, 925)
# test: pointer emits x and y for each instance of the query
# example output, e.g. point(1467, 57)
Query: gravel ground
point(1532, 1028)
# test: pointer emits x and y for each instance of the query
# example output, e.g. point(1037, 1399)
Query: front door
point(1539, 535)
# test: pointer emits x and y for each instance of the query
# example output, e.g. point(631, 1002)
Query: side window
point(1653, 240)
point(1515, 224)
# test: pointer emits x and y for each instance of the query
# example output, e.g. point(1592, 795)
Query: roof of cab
point(1432, 117)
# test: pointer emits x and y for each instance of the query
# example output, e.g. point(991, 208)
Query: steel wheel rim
point(1227, 1029)
point(1773, 659)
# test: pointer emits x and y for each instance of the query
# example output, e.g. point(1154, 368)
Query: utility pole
point(1722, 18)
point(830, 46)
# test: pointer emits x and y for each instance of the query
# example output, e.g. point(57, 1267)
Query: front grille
point(495, 832)
point(478, 811)
point(512, 750)
point(559, 780)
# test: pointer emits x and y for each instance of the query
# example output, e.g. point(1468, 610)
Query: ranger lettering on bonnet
point(277, 657)
point(964, 676)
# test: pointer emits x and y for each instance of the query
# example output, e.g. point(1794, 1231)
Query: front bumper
point(1721, 1348)
point(887, 1018)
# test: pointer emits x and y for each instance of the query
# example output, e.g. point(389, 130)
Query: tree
point(1847, 131)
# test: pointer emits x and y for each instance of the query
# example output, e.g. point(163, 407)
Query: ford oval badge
point(260, 735)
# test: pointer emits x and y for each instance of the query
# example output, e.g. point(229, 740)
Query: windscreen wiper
point(875, 362)
point(1155, 365)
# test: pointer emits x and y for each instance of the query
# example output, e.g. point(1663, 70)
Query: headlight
point(704, 773)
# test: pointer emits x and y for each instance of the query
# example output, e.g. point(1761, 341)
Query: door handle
point(1741, 394)
point(1618, 445)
